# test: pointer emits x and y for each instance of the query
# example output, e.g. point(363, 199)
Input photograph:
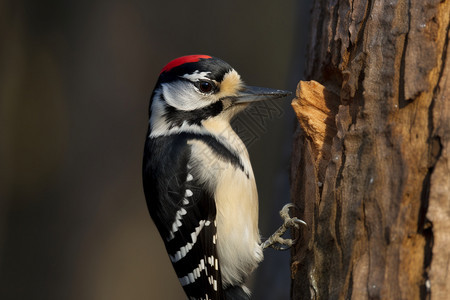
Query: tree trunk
point(370, 167)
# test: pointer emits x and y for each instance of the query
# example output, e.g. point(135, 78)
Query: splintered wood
point(316, 107)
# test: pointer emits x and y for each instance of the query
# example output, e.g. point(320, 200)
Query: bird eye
point(205, 86)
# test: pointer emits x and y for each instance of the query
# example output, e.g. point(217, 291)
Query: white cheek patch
point(157, 119)
point(159, 125)
point(183, 96)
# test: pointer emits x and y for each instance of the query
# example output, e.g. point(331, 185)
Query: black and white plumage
point(198, 180)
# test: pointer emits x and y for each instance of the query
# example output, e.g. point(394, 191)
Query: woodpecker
point(198, 180)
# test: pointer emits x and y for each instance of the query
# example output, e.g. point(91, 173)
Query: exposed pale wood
point(373, 180)
point(315, 107)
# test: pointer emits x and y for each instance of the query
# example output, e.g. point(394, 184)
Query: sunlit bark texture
point(370, 165)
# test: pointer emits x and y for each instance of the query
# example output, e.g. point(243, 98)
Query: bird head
point(195, 88)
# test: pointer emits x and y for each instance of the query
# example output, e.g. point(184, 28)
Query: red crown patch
point(183, 60)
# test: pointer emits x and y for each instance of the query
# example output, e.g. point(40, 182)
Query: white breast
point(238, 239)
point(237, 224)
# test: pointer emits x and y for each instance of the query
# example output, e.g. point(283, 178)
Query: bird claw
point(276, 241)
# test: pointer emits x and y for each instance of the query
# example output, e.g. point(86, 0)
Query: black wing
point(184, 213)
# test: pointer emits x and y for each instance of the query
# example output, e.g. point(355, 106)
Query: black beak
point(254, 94)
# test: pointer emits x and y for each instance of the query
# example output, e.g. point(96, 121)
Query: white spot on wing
point(188, 193)
point(202, 264)
point(194, 237)
point(212, 260)
point(184, 250)
point(176, 223)
point(184, 280)
point(191, 278)
point(174, 228)
point(189, 177)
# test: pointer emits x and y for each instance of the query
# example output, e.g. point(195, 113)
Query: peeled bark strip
point(315, 108)
point(373, 180)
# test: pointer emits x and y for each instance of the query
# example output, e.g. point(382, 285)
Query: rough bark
point(370, 166)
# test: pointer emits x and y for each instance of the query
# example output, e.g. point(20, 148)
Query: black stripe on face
point(176, 117)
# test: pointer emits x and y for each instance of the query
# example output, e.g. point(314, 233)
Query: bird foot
point(276, 241)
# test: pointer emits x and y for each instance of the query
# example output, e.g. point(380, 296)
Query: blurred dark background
point(75, 80)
